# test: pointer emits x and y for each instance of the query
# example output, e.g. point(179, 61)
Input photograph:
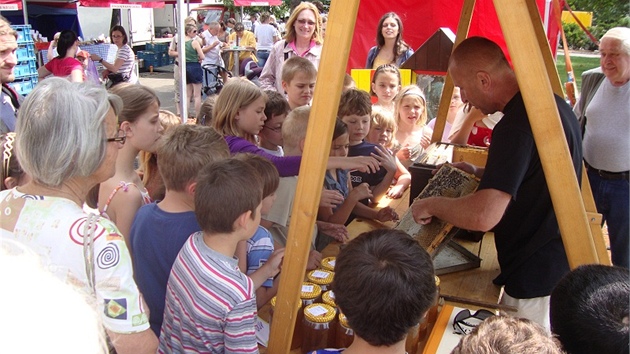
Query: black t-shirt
point(528, 242)
point(373, 179)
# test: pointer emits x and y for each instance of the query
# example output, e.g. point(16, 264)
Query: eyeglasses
point(275, 130)
point(464, 322)
point(120, 137)
point(116, 36)
point(306, 22)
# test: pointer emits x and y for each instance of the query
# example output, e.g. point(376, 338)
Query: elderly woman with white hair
point(604, 108)
point(67, 142)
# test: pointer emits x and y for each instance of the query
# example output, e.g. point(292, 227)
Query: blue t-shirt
point(357, 177)
point(341, 184)
point(259, 249)
point(156, 239)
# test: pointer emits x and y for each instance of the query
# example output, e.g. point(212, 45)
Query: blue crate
point(27, 68)
point(161, 47)
point(25, 52)
point(24, 86)
point(24, 33)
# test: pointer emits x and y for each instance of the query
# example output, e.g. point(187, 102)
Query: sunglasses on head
point(464, 322)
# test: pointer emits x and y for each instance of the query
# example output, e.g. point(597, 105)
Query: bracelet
point(100, 60)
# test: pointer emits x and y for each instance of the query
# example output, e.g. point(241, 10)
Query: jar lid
point(310, 290)
point(320, 276)
point(343, 320)
point(328, 263)
point(329, 298)
point(319, 313)
point(273, 300)
point(437, 281)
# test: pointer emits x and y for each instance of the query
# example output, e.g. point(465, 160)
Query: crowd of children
point(206, 253)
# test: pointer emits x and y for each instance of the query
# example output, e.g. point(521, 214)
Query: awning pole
point(25, 12)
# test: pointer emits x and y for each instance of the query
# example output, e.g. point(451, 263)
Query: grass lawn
point(580, 64)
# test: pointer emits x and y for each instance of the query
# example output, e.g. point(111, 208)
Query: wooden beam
point(447, 91)
point(341, 21)
point(536, 90)
point(594, 220)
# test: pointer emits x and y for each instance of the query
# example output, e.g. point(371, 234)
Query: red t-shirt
point(63, 67)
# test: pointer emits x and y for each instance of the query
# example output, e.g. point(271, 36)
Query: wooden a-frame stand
point(538, 80)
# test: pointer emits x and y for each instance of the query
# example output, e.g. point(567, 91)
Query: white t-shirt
point(213, 56)
point(264, 36)
point(53, 228)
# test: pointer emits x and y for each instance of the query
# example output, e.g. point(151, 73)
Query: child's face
point(456, 100)
point(267, 203)
point(386, 86)
point(251, 118)
point(339, 147)
point(380, 135)
point(358, 127)
point(146, 131)
point(410, 110)
point(272, 130)
point(299, 90)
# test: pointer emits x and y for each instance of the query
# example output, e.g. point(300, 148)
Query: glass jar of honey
point(413, 338)
point(328, 298)
point(433, 310)
point(296, 341)
point(310, 293)
point(321, 277)
point(328, 263)
point(344, 335)
point(316, 326)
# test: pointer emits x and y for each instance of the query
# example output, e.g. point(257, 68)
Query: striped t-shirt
point(210, 304)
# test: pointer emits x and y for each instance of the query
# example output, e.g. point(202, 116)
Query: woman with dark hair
point(64, 65)
point(123, 64)
point(390, 47)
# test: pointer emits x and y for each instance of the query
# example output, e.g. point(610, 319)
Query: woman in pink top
point(65, 65)
point(303, 38)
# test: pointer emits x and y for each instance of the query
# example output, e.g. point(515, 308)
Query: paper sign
point(317, 310)
point(262, 331)
point(319, 274)
point(332, 263)
point(307, 288)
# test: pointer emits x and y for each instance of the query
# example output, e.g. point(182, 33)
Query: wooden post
point(594, 218)
point(447, 91)
point(330, 76)
point(536, 90)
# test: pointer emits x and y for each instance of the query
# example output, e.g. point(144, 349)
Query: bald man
point(512, 199)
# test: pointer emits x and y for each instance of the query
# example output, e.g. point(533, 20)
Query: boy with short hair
point(589, 310)
point(210, 303)
point(277, 219)
point(398, 273)
point(160, 229)
point(298, 81)
point(276, 111)
point(253, 254)
point(355, 109)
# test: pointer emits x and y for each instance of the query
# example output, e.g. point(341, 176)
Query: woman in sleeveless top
point(122, 195)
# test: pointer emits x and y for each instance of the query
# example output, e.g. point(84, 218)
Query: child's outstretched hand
point(385, 158)
point(396, 191)
point(275, 262)
point(330, 198)
point(314, 260)
point(404, 153)
point(362, 191)
point(386, 214)
point(336, 231)
point(366, 164)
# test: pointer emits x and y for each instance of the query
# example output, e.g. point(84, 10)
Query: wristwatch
point(100, 60)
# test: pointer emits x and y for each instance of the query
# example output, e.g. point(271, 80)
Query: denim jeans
point(612, 200)
point(262, 57)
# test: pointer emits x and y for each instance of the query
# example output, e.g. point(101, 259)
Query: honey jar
point(310, 293)
point(328, 263)
point(344, 335)
point(321, 277)
point(296, 341)
point(316, 326)
point(328, 298)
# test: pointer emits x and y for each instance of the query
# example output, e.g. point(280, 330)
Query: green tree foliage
point(606, 15)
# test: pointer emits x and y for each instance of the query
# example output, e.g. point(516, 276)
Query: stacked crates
point(158, 54)
point(26, 69)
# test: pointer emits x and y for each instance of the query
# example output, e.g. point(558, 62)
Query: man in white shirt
point(266, 36)
point(212, 50)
